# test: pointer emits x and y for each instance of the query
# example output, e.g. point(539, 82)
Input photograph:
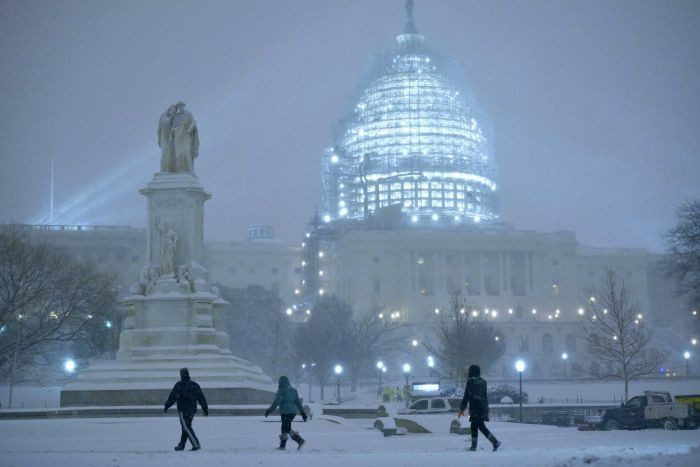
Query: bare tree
point(319, 342)
point(683, 258)
point(614, 333)
point(369, 335)
point(46, 297)
point(462, 337)
point(258, 328)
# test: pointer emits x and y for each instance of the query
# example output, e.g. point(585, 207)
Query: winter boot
point(474, 439)
point(179, 448)
point(494, 441)
point(283, 442)
point(299, 440)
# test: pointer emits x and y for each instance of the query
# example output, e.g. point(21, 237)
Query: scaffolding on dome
point(414, 137)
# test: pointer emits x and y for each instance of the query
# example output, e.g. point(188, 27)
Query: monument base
point(140, 397)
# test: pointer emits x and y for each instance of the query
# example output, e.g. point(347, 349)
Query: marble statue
point(178, 139)
point(168, 242)
point(165, 140)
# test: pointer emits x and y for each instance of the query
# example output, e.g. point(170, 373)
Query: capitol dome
point(414, 138)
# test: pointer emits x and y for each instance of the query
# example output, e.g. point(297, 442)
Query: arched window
point(523, 344)
point(547, 343)
point(571, 343)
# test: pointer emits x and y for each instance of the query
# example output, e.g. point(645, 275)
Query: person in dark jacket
point(187, 393)
point(476, 395)
point(288, 401)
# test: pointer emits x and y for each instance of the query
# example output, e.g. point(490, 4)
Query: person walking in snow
point(476, 396)
point(187, 393)
point(288, 401)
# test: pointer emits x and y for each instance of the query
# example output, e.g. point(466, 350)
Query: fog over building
point(409, 213)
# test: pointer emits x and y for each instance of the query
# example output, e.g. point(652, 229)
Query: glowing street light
point(520, 367)
point(69, 366)
point(407, 374)
point(686, 355)
point(382, 369)
point(564, 358)
point(338, 371)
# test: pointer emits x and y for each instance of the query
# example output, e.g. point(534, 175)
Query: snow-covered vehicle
point(650, 410)
point(428, 405)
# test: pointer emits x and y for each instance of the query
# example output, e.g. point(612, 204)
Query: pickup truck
point(650, 410)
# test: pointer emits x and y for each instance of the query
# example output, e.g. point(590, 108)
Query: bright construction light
point(303, 366)
point(326, 218)
point(435, 217)
point(592, 299)
point(406, 368)
point(510, 311)
point(534, 311)
point(308, 312)
point(334, 159)
point(580, 311)
point(108, 324)
point(320, 254)
point(686, 355)
point(431, 362)
point(289, 312)
point(414, 343)
point(338, 369)
point(564, 356)
point(380, 364)
point(494, 313)
point(437, 311)
point(414, 218)
point(320, 291)
point(692, 341)
point(69, 366)
point(383, 369)
point(520, 366)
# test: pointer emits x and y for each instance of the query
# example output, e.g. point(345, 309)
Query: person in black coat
point(187, 393)
point(476, 395)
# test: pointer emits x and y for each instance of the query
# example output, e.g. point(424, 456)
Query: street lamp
point(407, 374)
point(686, 355)
point(338, 371)
point(431, 364)
point(564, 357)
point(381, 368)
point(69, 366)
point(520, 367)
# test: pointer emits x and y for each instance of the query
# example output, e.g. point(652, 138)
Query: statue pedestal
point(172, 322)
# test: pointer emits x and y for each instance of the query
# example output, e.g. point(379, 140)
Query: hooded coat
point(187, 393)
point(476, 396)
point(287, 399)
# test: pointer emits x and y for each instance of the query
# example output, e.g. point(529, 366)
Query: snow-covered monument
point(174, 317)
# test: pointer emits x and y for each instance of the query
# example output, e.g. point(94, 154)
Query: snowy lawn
point(251, 441)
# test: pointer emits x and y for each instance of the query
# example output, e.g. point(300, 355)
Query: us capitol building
point(409, 214)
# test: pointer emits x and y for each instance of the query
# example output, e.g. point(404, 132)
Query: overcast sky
point(596, 105)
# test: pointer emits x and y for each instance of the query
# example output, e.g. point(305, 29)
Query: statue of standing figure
point(178, 139)
point(168, 242)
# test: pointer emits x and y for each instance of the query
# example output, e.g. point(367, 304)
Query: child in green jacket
point(288, 401)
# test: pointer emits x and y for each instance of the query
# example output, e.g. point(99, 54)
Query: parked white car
point(428, 405)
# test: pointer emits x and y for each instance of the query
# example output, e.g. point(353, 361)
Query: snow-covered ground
point(251, 441)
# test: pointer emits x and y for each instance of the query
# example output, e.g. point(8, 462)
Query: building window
point(547, 343)
point(555, 288)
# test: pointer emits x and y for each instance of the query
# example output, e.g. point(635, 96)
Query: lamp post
point(686, 355)
point(520, 367)
point(407, 374)
point(381, 369)
point(338, 371)
point(564, 357)
point(431, 364)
